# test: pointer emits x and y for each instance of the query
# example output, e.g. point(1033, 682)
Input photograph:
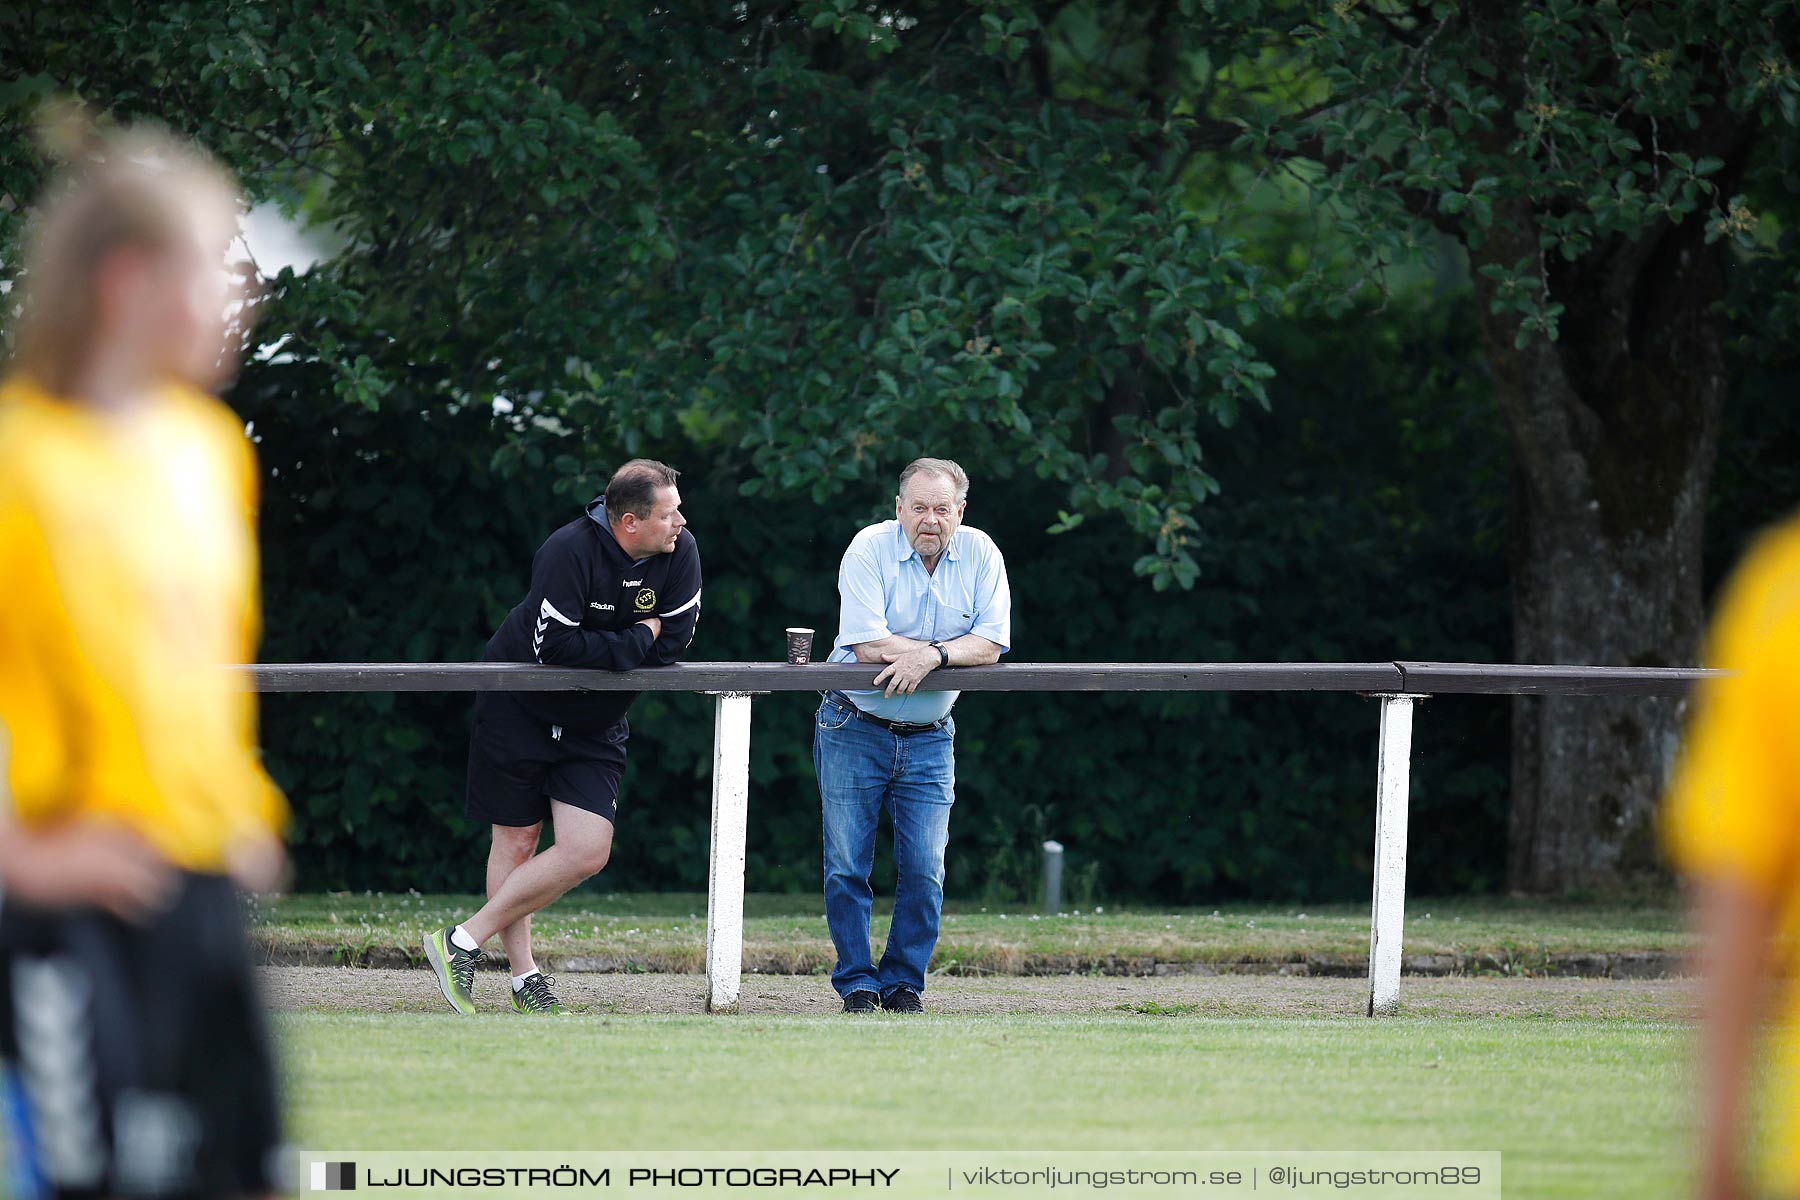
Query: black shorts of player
point(518, 764)
point(137, 1057)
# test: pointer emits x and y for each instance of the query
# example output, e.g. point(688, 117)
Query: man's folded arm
point(893, 643)
point(973, 650)
point(682, 616)
point(969, 650)
point(557, 638)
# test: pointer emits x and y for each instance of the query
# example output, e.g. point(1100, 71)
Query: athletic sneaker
point(454, 968)
point(862, 1001)
point(903, 1000)
point(535, 996)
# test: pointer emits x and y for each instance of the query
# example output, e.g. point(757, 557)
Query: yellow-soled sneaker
point(535, 996)
point(454, 968)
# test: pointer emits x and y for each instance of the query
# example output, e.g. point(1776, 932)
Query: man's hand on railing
point(906, 670)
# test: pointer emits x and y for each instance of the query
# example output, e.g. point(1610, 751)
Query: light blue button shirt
point(884, 589)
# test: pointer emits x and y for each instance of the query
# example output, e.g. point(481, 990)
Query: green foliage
point(1378, 427)
point(823, 240)
point(789, 247)
point(1758, 476)
point(822, 248)
point(1541, 134)
point(385, 538)
point(829, 236)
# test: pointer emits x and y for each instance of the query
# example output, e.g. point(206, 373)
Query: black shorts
point(137, 1058)
point(518, 764)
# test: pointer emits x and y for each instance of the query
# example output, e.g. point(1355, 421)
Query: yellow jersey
point(1734, 809)
point(128, 583)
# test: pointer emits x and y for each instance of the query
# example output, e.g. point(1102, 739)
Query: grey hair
point(937, 466)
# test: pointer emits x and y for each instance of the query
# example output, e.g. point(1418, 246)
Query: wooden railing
point(1398, 686)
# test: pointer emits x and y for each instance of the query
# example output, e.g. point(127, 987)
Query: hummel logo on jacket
point(586, 601)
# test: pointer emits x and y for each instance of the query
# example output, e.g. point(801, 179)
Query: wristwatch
point(943, 654)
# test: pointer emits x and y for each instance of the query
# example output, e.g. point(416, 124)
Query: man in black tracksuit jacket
point(617, 588)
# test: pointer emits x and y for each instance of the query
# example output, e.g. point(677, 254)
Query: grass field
point(1578, 1107)
point(787, 933)
point(1579, 1084)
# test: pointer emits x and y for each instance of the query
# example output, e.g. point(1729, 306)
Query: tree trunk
point(1614, 431)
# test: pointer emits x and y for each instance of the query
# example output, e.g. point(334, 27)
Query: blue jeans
point(862, 769)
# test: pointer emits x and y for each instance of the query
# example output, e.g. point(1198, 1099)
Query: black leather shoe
point(903, 1000)
point(861, 1002)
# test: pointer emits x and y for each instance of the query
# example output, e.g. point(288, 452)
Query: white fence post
point(1387, 918)
point(725, 869)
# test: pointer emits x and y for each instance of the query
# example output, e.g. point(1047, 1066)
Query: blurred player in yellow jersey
point(1733, 824)
point(135, 805)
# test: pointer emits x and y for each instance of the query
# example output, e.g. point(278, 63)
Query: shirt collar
point(903, 549)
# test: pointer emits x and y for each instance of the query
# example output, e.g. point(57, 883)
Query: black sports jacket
point(587, 597)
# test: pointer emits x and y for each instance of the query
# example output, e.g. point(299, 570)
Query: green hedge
point(392, 535)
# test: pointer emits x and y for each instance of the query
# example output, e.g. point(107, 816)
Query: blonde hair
point(114, 189)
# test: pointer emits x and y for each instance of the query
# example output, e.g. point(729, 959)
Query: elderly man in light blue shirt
point(918, 594)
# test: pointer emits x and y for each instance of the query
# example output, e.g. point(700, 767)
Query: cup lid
point(800, 629)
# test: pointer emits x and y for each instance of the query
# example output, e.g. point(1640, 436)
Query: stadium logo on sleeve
point(646, 600)
point(334, 1177)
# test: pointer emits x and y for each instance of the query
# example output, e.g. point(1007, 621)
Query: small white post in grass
point(725, 871)
point(1053, 858)
point(1387, 918)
